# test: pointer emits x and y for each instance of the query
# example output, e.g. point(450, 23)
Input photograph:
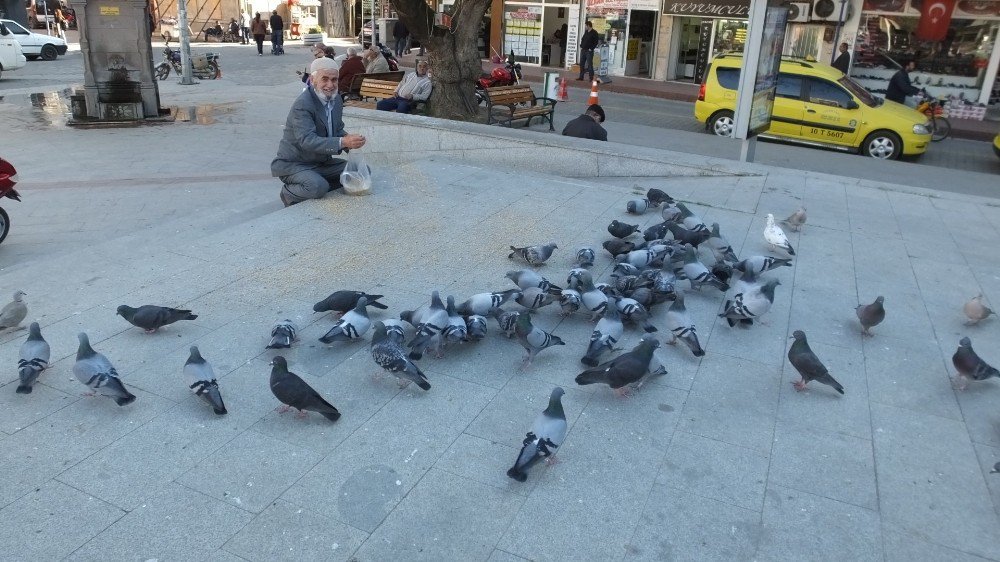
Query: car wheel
point(4, 224)
point(722, 124)
point(884, 145)
point(49, 52)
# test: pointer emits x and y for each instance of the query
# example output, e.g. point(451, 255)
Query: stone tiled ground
point(719, 459)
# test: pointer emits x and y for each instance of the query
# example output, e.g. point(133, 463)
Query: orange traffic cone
point(562, 94)
point(594, 100)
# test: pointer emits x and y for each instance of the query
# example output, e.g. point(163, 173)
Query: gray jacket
point(306, 143)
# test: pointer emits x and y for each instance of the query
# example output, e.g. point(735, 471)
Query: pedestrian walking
point(899, 84)
point(245, 27)
point(401, 34)
point(61, 23)
point(277, 33)
point(259, 30)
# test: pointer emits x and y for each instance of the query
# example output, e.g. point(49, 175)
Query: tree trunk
point(336, 18)
point(453, 54)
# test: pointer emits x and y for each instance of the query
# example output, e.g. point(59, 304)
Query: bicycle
point(934, 110)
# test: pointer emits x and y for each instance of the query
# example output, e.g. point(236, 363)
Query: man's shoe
point(285, 200)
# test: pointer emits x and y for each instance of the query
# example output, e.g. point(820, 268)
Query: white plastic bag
point(357, 176)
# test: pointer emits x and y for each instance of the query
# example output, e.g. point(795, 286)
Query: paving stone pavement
point(719, 459)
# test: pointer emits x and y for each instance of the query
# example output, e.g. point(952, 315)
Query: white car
point(36, 45)
point(11, 55)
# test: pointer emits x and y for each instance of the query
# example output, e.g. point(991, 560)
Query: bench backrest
point(359, 78)
point(380, 89)
point(505, 95)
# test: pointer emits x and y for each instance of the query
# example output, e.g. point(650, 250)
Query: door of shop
point(639, 43)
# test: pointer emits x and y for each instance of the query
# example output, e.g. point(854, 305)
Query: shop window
point(789, 86)
point(827, 93)
point(729, 78)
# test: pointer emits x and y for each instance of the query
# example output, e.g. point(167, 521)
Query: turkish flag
point(935, 17)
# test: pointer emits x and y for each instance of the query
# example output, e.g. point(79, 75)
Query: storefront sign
point(704, 50)
point(652, 5)
point(573, 35)
point(110, 11)
point(712, 9)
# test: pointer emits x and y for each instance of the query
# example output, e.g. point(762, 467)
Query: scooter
point(8, 179)
point(389, 57)
point(202, 66)
point(507, 75)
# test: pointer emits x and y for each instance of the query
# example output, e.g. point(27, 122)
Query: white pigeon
point(774, 236)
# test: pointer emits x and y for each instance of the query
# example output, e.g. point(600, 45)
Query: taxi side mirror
point(3, 29)
point(851, 104)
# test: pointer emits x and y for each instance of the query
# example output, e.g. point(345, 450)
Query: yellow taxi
point(996, 145)
point(816, 104)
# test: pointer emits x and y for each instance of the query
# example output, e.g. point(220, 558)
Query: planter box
point(312, 38)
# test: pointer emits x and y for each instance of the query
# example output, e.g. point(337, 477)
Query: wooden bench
point(354, 91)
point(372, 91)
point(505, 104)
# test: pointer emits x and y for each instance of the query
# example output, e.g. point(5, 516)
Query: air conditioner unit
point(798, 11)
point(829, 10)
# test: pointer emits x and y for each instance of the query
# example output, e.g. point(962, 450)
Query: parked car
point(11, 55)
point(36, 45)
point(817, 104)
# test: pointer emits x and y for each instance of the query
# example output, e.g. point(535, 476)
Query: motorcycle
point(202, 66)
point(389, 57)
point(507, 75)
point(8, 179)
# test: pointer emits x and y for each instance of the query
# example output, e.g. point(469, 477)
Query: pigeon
point(747, 282)
point(627, 369)
point(535, 298)
point(573, 279)
point(750, 304)
point(625, 285)
point(615, 247)
point(809, 366)
point(871, 315)
point(151, 318)
point(395, 330)
point(14, 312)
point(996, 468)
point(671, 212)
point(775, 237)
point(623, 268)
point(456, 330)
point(622, 230)
point(658, 197)
point(969, 365)
point(796, 219)
point(633, 311)
point(293, 392)
point(282, 334)
point(685, 236)
point(638, 206)
point(528, 279)
point(720, 246)
point(606, 334)
point(534, 255)
point(690, 220)
point(760, 264)
point(532, 338)
point(351, 326)
point(722, 271)
point(475, 326)
point(640, 259)
point(33, 359)
point(483, 303)
point(975, 310)
point(592, 298)
point(342, 301)
point(681, 327)
point(698, 275)
point(569, 301)
point(201, 380)
point(429, 327)
point(389, 355)
point(95, 371)
point(507, 320)
point(656, 232)
point(585, 257)
point(546, 435)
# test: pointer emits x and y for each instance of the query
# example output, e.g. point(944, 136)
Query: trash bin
point(550, 85)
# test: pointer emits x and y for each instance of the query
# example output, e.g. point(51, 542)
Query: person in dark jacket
point(351, 67)
point(899, 84)
point(843, 61)
point(277, 30)
point(400, 32)
point(587, 45)
point(587, 125)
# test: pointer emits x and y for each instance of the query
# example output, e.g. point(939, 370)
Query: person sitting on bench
point(416, 86)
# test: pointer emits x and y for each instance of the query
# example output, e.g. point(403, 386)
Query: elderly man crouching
point(314, 132)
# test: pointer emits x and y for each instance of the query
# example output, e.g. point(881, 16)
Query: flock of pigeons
point(645, 275)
